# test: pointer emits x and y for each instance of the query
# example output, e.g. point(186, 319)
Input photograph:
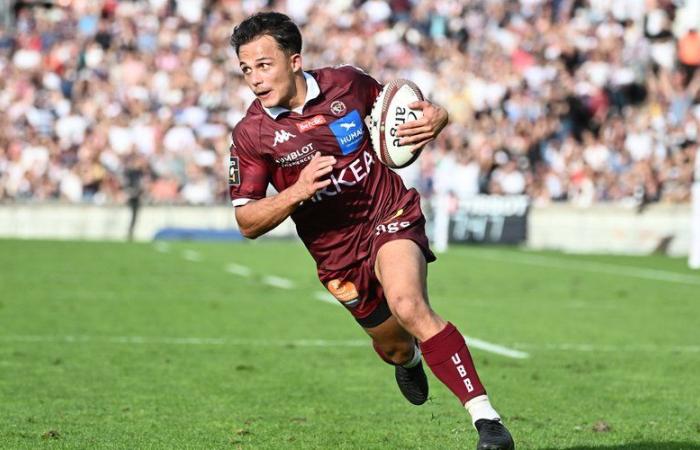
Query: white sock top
point(480, 408)
point(415, 360)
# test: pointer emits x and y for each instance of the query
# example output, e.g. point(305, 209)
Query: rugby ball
point(391, 110)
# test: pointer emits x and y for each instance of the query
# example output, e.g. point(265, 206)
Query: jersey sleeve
point(372, 88)
point(248, 173)
point(367, 87)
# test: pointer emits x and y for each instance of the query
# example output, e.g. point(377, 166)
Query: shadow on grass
point(637, 446)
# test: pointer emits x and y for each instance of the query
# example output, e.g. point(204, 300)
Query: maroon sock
point(448, 357)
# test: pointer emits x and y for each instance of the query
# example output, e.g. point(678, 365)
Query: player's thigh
point(401, 269)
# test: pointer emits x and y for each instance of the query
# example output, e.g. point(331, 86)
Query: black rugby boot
point(493, 435)
point(413, 383)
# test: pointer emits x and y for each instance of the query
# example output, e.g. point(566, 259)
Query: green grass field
point(193, 345)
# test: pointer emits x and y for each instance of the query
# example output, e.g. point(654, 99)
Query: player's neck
point(299, 97)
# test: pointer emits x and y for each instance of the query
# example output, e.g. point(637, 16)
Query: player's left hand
point(422, 131)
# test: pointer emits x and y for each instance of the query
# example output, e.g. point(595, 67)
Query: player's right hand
point(313, 177)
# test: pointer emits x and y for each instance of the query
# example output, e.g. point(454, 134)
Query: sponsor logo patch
point(391, 228)
point(282, 136)
point(344, 291)
point(348, 131)
point(234, 173)
point(347, 177)
point(338, 108)
point(296, 157)
point(311, 123)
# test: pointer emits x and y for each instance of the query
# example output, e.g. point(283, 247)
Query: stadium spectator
point(155, 77)
point(689, 50)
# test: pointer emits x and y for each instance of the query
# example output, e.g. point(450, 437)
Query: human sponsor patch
point(234, 172)
point(348, 131)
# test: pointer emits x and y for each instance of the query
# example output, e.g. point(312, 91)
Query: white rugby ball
point(391, 110)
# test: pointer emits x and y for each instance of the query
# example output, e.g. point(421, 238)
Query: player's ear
point(295, 61)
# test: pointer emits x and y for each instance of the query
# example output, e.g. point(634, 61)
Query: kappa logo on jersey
point(338, 108)
point(234, 174)
point(348, 132)
point(282, 136)
point(311, 123)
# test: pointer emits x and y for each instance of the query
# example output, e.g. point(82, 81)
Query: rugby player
point(305, 134)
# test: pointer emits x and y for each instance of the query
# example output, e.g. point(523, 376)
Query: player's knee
point(398, 352)
point(408, 308)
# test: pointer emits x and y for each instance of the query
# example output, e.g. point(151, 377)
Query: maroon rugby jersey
point(337, 223)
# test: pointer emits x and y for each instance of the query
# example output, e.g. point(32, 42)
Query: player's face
point(269, 71)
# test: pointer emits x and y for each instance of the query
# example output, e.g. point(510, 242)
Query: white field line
point(278, 282)
point(566, 304)
point(139, 340)
point(237, 269)
point(191, 255)
point(475, 343)
point(326, 297)
point(471, 341)
point(495, 348)
point(640, 348)
point(589, 305)
point(143, 340)
point(162, 247)
point(285, 283)
point(605, 268)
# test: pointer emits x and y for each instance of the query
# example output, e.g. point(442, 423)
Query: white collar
point(312, 91)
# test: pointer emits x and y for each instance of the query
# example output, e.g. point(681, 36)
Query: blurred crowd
point(562, 100)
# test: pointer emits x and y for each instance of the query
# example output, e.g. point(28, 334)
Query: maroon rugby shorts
point(357, 287)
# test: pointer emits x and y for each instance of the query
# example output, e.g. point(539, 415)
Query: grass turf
point(108, 345)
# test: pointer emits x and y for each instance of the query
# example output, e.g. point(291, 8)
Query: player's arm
point(257, 217)
point(420, 132)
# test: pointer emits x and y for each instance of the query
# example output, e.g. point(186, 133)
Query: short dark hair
point(277, 25)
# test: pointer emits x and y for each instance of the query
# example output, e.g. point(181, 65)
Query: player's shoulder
point(341, 73)
point(249, 125)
